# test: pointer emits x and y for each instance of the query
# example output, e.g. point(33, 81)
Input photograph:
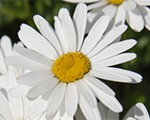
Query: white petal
point(136, 78)
point(71, 99)
point(95, 14)
point(33, 40)
point(38, 106)
point(17, 107)
point(135, 20)
point(1, 117)
point(95, 34)
point(42, 87)
point(129, 5)
point(145, 11)
point(97, 4)
point(25, 63)
point(56, 98)
point(76, 1)
point(3, 69)
point(114, 49)
point(69, 32)
point(60, 34)
point(97, 83)
point(107, 39)
point(89, 112)
point(32, 78)
point(33, 55)
point(87, 93)
point(141, 112)
point(80, 19)
point(110, 101)
point(19, 91)
point(15, 103)
point(10, 80)
point(115, 60)
point(120, 16)
point(6, 45)
point(112, 76)
point(143, 2)
point(48, 32)
point(5, 108)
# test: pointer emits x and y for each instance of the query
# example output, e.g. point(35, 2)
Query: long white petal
point(60, 34)
point(95, 34)
point(33, 40)
point(42, 87)
point(5, 108)
point(143, 2)
point(71, 99)
point(48, 32)
point(32, 78)
point(114, 49)
point(19, 90)
point(89, 112)
point(33, 55)
point(89, 79)
point(41, 103)
point(56, 98)
point(135, 20)
point(97, 4)
point(25, 63)
point(136, 78)
point(115, 60)
point(129, 5)
point(120, 16)
point(87, 93)
point(69, 32)
point(80, 19)
point(107, 39)
point(110, 101)
point(112, 76)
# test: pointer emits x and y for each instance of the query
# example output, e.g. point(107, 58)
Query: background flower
point(135, 12)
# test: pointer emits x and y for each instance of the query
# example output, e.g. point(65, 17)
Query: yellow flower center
point(71, 67)
point(115, 2)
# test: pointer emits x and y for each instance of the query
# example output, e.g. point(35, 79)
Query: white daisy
point(135, 12)
point(13, 108)
point(65, 68)
point(6, 49)
point(19, 108)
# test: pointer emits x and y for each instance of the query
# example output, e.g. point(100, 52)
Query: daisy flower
point(18, 108)
point(6, 49)
point(66, 68)
point(135, 12)
point(13, 108)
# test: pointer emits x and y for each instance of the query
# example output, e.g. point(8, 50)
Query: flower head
point(65, 66)
point(135, 12)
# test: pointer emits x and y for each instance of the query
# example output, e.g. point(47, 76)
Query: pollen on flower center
point(71, 67)
point(115, 2)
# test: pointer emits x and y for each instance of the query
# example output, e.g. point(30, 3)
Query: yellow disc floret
point(71, 67)
point(115, 2)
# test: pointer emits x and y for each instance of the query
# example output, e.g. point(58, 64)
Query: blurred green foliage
point(14, 13)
